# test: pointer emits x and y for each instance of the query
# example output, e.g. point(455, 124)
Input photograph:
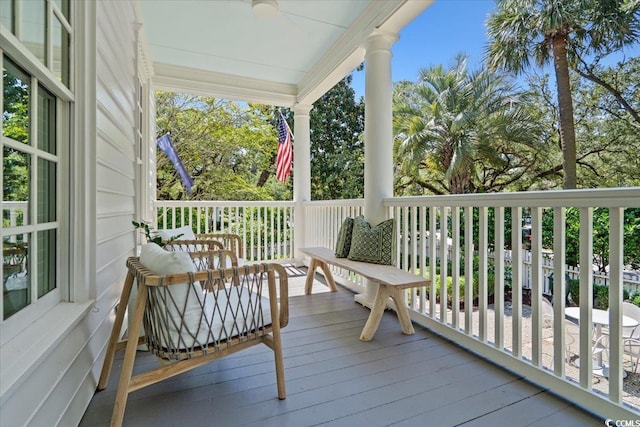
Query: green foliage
point(600, 294)
point(600, 297)
point(460, 132)
point(151, 238)
point(631, 236)
point(573, 286)
point(522, 32)
point(224, 147)
point(15, 125)
point(337, 144)
point(636, 300)
point(461, 283)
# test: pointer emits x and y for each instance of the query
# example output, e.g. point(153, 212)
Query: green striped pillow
point(343, 244)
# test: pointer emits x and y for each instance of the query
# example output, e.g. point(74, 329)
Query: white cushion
point(186, 231)
point(185, 295)
point(218, 312)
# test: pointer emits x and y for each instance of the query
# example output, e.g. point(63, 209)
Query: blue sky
point(443, 30)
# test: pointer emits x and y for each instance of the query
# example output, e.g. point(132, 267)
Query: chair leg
point(278, 356)
point(115, 332)
point(129, 359)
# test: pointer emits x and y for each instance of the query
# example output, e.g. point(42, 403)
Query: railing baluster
point(468, 270)
point(423, 255)
point(432, 262)
point(444, 249)
point(616, 261)
point(559, 290)
point(455, 267)
point(536, 286)
point(516, 281)
point(483, 243)
point(586, 297)
point(499, 277)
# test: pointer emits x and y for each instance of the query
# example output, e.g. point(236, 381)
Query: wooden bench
point(392, 281)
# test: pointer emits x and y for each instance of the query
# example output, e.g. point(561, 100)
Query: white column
point(378, 135)
point(301, 173)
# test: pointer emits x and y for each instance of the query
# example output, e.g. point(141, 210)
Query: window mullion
point(33, 190)
point(58, 14)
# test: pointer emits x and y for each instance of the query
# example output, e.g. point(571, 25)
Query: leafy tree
point(460, 132)
point(559, 31)
point(607, 153)
point(15, 125)
point(222, 145)
point(631, 236)
point(337, 149)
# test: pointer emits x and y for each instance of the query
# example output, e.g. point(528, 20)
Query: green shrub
point(573, 286)
point(600, 297)
point(450, 288)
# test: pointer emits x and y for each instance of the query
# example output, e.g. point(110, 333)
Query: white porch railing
point(266, 228)
point(509, 333)
point(501, 331)
point(15, 214)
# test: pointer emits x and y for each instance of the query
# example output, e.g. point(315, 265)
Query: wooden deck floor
point(335, 379)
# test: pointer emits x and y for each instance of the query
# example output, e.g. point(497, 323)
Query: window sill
point(20, 356)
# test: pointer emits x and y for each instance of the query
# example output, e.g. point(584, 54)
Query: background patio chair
point(230, 241)
point(599, 347)
point(193, 317)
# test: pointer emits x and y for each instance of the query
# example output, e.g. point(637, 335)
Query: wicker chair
point(193, 318)
point(232, 242)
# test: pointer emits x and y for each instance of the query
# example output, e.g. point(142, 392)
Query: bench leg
point(315, 263)
point(397, 295)
point(308, 284)
point(377, 310)
point(328, 276)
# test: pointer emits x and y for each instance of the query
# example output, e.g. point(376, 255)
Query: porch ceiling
point(221, 48)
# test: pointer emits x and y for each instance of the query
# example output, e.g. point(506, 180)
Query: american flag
point(285, 149)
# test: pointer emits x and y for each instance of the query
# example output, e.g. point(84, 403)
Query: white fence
point(630, 279)
point(266, 228)
point(15, 214)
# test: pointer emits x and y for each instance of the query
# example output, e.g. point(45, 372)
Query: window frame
point(42, 76)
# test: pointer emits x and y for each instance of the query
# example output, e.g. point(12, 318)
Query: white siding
point(61, 375)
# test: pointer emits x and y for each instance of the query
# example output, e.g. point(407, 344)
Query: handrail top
point(593, 197)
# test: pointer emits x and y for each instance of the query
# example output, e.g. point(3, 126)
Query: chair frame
point(145, 279)
point(230, 241)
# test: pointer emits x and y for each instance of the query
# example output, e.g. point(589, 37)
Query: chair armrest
point(283, 296)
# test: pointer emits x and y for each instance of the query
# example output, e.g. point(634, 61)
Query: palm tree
point(450, 120)
point(559, 30)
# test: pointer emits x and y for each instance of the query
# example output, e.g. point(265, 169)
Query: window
point(35, 144)
point(29, 199)
point(44, 28)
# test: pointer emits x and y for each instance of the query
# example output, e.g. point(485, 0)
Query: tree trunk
point(565, 104)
